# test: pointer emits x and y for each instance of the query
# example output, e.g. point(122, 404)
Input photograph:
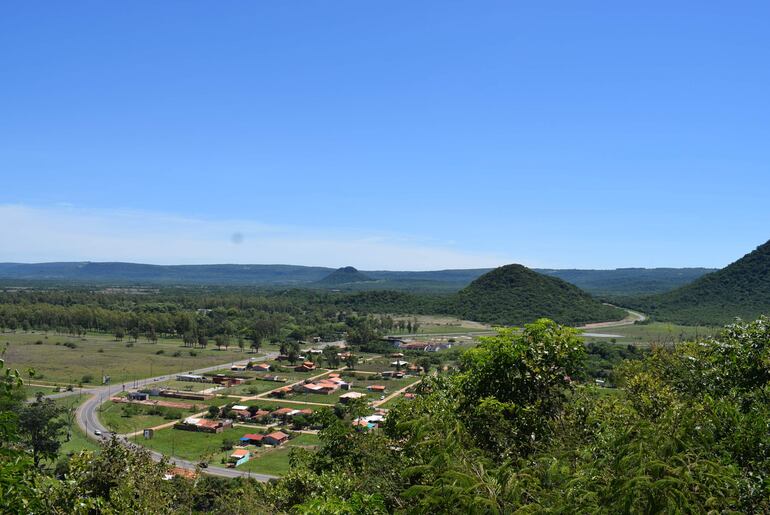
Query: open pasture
point(64, 359)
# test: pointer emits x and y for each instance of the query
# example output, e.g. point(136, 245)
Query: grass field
point(436, 324)
point(653, 333)
point(252, 388)
point(97, 355)
point(111, 415)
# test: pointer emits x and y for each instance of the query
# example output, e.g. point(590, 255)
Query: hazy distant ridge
point(623, 281)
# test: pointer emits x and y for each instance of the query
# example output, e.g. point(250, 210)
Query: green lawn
point(112, 415)
point(320, 398)
point(96, 355)
point(252, 388)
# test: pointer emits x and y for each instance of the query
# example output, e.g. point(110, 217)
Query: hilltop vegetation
point(742, 289)
point(514, 295)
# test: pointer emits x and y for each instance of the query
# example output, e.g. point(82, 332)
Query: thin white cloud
point(66, 233)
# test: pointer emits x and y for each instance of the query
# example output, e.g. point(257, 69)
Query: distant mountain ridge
point(599, 282)
point(628, 281)
point(741, 289)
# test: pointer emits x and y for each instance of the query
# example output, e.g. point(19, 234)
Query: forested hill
point(514, 294)
point(742, 289)
point(345, 275)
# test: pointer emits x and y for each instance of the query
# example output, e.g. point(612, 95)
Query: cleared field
point(391, 385)
point(252, 388)
point(60, 359)
point(652, 333)
point(436, 324)
point(379, 364)
point(127, 418)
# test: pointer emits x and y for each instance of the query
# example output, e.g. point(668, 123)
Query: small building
point(239, 367)
point(413, 370)
point(376, 388)
point(138, 396)
point(351, 396)
point(362, 424)
point(399, 363)
point(395, 341)
point(276, 438)
point(239, 457)
point(281, 392)
point(282, 412)
point(192, 378)
point(252, 439)
point(261, 367)
point(242, 414)
point(307, 366)
point(203, 425)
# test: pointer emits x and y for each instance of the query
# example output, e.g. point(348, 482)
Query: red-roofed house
point(276, 438)
point(239, 457)
point(281, 412)
point(307, 366)
point(252, 439)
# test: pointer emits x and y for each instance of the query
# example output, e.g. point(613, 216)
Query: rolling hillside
point(742, 289)
point(514, 294)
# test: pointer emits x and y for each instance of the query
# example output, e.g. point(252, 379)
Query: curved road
point(88, 420)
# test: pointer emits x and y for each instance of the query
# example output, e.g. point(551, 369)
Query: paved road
point(88, 419)
point(633, 317)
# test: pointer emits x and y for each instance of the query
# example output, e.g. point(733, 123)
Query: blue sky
point(391, 135)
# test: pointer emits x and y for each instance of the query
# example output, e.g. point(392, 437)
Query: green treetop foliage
point(513, 384)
